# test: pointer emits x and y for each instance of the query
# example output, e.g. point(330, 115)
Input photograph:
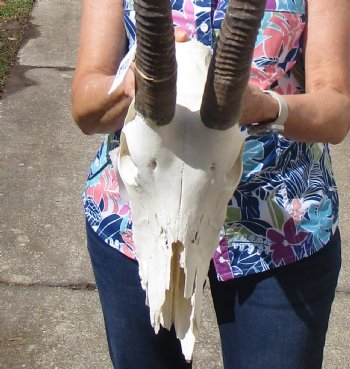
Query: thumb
point(129, 83)
point(180, 35)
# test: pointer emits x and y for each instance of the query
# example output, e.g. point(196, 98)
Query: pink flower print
point(128, 248)
point(106, 190)
point(297, 212)
point(287, 86)
point(281, 35)
point(185, 19)
point(124, 210)
point(283, 243)
point(264, 77)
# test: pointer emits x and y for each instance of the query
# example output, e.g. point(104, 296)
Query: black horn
point(155, 64)
point(230, 66)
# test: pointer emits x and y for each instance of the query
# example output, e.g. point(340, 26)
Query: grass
point(14, 15)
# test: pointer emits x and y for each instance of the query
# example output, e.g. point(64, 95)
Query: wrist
point(271, 108)
point(277, 114)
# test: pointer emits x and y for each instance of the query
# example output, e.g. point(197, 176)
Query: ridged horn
point(155, 64)
point(230, 66)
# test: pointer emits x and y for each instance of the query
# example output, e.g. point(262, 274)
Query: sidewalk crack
point(89, 286)
point(343, 291)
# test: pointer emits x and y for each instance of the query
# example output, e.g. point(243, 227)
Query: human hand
point(129, 79)
point(129, 82)
point(180, 35)
point(257, 106)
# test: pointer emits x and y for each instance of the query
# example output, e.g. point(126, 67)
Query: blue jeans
point(272, 320)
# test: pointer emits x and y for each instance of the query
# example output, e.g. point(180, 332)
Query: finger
point(129, 83)
point(180, 35)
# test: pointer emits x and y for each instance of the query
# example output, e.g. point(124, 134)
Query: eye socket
point(153, 164)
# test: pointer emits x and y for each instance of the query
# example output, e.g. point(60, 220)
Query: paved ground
point(50, 316)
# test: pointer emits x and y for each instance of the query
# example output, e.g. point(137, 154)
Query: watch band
point(277, 125)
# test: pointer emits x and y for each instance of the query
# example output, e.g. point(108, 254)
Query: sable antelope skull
point(180, 155)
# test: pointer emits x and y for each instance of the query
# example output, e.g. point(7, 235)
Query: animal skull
point(179, 178)
point(179, 174)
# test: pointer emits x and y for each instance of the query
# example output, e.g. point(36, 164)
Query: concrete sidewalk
point(50, 316)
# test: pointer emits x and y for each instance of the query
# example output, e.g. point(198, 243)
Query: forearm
point(323, 113)
point(102, 46)
point(93, 109)
point(320, 116)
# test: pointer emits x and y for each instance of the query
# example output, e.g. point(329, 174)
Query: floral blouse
point(286, 205)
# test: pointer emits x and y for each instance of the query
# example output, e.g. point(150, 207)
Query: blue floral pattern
point(286, 205)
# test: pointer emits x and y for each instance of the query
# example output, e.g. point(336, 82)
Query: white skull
point(179, 178)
